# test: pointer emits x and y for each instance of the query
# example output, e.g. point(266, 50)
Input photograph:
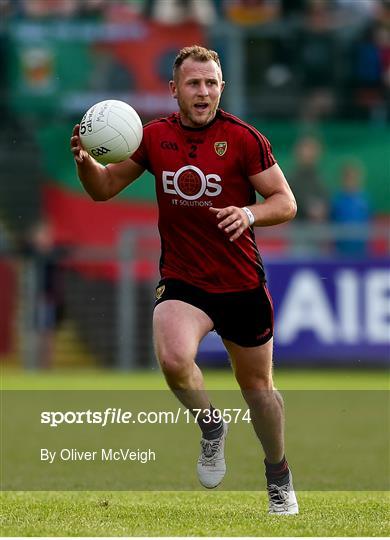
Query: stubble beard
point(186, 112)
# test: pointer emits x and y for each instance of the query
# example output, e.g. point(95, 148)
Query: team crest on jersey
point(220, 147)
point(160, 291)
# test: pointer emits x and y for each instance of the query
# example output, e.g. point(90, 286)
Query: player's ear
point(173, 89)
point(222, 86)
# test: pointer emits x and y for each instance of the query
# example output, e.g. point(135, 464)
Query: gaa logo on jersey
point(191, 183)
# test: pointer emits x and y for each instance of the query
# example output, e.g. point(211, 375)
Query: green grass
point(191, 514)
point(197, 513)
point(286, 379)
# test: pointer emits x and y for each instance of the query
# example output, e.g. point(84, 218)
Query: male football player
point(208, 166)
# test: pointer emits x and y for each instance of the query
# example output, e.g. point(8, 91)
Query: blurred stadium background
point(77, 278)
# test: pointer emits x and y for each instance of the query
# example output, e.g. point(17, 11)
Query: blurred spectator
point(372, 70)
point(351, 206)
point(49, 8)
point(45, 9)
point(307, 183)
point(383, 12)
point(48, 309)
point(249, 12)
point(6, 9)
point(92, 9)
point(318, 58)
point(368, 60)
point(180, 11)
point(360, 9)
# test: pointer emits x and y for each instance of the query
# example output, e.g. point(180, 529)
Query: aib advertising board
point(329, 311)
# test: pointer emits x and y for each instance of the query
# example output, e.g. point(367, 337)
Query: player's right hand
point(232, 219)
point(76, 147)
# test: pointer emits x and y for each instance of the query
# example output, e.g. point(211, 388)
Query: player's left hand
point(231, 220)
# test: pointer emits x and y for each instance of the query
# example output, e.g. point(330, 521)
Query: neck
point(191, 125)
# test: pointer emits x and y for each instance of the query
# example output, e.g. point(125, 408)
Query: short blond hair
point(196, 52)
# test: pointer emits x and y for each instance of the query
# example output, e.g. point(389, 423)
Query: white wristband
point(251, 217)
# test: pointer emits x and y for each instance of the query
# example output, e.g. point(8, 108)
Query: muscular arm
point(279, 202)
point(278, 206)
point(102, 183)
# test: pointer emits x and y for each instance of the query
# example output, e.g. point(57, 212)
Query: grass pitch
point(221, 379)
point(199, 513)
point(191, 514)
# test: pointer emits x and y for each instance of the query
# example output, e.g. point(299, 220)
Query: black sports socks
point(277, 473)
point(212, 428)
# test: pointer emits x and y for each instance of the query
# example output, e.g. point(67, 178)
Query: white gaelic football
point(110, 131)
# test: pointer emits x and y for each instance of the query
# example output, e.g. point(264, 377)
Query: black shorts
point(245, 317)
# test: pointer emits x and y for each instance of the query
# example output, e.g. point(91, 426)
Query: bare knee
point(263, 399)
point(176, 366)
point(258, 390)
point(255, 381)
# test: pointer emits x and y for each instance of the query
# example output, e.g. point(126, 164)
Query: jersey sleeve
point(140, 156)
point(258, 155)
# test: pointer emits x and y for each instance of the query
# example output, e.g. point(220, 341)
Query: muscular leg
point(253, 370)
point(178, 328)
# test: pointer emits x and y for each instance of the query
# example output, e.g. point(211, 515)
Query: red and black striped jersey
point(195, 169)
